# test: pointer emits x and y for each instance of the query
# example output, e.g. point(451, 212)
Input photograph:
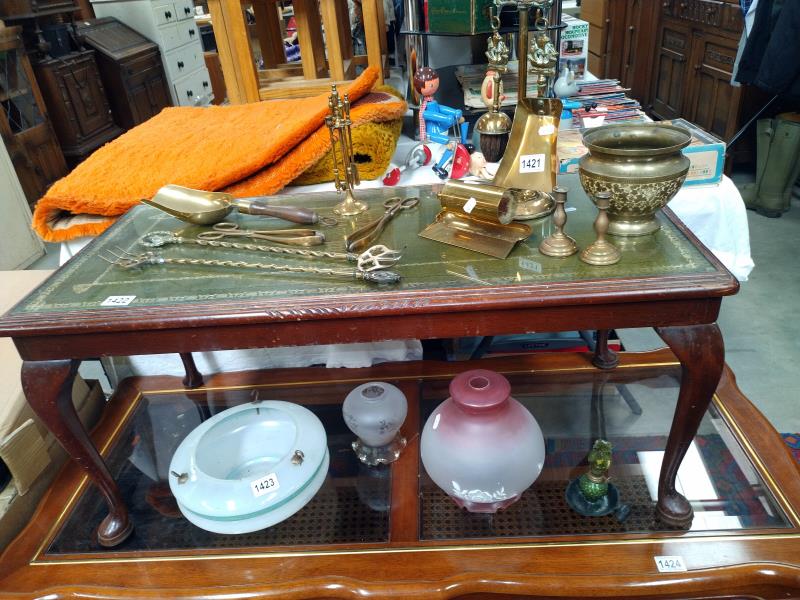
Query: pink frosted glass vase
point(481, 446)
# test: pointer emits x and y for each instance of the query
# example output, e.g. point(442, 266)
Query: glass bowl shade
point(249, 466)
point(481, 446)
point(375, 412)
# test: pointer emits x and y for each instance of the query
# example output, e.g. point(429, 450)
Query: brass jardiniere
point(641, 165)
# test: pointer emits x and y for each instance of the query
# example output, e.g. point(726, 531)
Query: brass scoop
point(208, 208)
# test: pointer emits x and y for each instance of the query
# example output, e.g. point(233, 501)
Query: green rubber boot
point(781, 169)
point(749, 191)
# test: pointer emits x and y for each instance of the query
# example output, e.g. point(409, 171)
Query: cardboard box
point(31, 453)
point(459, 16)
point(574, 46)
point(706, 153)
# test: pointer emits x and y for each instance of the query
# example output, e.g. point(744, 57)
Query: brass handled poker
point(373, 259)
point(345, 170)
point(127, 260)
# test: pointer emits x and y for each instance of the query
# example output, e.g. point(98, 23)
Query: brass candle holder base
point(601, 252)
point(559, 244)
point(349, 206)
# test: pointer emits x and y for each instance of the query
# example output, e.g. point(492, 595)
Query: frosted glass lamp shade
point(375, 412)
point(481, 446)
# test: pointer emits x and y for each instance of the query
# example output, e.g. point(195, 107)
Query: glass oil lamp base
point(598, 508)
point(379, 455)
point(349, 206)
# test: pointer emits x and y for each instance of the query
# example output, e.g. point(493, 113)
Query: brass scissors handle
point(397, 204)
point(293, 237)
point(367, 235)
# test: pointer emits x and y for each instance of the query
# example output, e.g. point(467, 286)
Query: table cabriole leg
point(701, 352)
point(193, 378)
point(48, 388)
point(603, 357)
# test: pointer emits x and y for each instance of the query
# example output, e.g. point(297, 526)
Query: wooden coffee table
point(390, 532)
point(668, 281)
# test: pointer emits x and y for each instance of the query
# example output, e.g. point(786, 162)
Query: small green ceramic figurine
point(594, 483)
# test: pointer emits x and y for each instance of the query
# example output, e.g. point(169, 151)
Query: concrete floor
point(761, 324)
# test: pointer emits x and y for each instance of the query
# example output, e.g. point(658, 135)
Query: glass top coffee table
point(90, 308)
point(389, 531)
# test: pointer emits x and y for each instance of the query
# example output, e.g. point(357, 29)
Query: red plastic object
point(392, 177)
point(460, 162)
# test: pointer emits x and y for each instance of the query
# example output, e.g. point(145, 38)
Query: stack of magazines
point(600, 97)
point(605, 98)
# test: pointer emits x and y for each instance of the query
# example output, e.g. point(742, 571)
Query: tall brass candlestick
point(559, 244)
point(345, 171)
point(601, 252)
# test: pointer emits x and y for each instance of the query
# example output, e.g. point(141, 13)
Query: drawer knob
point(180, 64)
point(189, 93)
point(186, 10)
point(205, 84)
point(191, 32)
point(168, 14)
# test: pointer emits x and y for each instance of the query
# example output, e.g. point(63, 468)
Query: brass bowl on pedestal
point(641, 165)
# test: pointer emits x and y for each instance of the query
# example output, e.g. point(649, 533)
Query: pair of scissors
point(291, 237)
point(364, 237)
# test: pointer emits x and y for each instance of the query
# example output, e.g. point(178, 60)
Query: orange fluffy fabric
point(205, 148)
point(376, 106)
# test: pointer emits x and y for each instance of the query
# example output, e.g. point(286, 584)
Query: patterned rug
point(793, 441)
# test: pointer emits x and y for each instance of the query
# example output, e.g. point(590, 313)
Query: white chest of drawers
point(170, 24)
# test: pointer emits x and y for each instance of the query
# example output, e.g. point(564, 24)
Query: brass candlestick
point(601, 252)
point(345, 171)
point(559, 244)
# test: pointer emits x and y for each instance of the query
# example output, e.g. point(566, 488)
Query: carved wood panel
point(670, 71)
point(714, 103)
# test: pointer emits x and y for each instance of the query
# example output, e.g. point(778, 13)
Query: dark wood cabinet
point(25, 9)
point(25, 127)
point(698, 41)
point(131, 69)
point(621, 36)
point(639, 29)
point(77, 101)
point(670, 71)
point(713, 103)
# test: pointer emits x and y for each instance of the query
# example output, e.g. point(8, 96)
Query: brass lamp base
point(533, 204)
point(349, 206)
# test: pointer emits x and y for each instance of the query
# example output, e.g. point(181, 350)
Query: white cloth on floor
point(329, 355)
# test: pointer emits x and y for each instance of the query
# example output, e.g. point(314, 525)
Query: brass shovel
point(208, 208)
point(530, 161)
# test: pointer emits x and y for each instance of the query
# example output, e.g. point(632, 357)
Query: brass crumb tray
point(457, 229)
